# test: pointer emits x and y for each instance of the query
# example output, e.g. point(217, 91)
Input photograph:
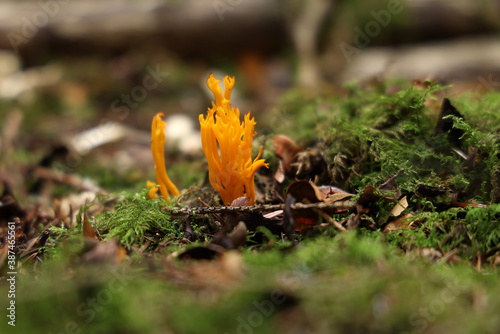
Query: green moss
point(135, 215)
point(470, 230)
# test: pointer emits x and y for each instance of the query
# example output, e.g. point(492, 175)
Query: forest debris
point(9, 208)
point(21, 83)
point(273, 214)
point(206, 252)
point(391, 185)
point(335, 197)
point(446, 124)
point(188, 229)
point(373, 194)
point(288, 219)
point(220, 271)
point(341, 205)
point(311, 165)
point(10, 131)
point(369, 195)
point(67, 207)
point(88, 231)
point(400, 206)
point(461, 154)
point(452, 256)
point(307, 193)
point(424, 190)
point(479, 261)
point(355, 220)
point(34, 245)
point(298, 163)
point(471, 204)
point(399, 224)
point(73, 180)
point(103, 252)
point(102, 134)
point(430, 253)
point(286, 150)
point(251, 219)
point(267, 188)
point(236, 238)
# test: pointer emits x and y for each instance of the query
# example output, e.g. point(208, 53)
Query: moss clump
point(134, 216)
point(471, 230)
point(376, 134)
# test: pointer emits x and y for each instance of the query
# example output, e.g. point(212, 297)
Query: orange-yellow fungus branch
point(157, 147)
point(227, 143)
point(152, 189)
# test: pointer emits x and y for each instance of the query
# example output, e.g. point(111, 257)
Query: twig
point(331, 221)
point(218, 218)
point(261, 207)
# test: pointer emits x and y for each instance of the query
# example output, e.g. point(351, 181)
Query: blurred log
point(192, 28)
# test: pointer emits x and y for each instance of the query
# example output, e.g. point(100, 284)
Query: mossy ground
point(332, 282)
point(351, 283)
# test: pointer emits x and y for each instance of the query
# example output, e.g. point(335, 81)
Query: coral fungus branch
point(227, 144)
point(157, 147)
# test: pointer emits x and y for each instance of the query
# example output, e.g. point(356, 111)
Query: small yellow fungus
point(157, 147)
point(227, 144)
point(152, 189)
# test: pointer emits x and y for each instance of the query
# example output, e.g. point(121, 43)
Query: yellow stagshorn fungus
point(231, 172)
point(157, 147)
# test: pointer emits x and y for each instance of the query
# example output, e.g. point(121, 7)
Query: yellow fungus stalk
point(157, 147)
point(227, 144)
point(152, 189)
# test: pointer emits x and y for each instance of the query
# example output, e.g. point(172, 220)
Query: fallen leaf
point(103, 252)
point(88, 231)
point(400, 206)
point(206, 252)
point(286, 150)
point(233, 240)
point(305, 192)
point(399, 224)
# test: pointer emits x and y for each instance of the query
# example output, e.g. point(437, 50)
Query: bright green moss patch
point(133, 217)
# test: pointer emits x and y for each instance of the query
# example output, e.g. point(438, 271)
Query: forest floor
point(401, 233)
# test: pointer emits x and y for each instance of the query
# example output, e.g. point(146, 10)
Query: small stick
point(261, 207)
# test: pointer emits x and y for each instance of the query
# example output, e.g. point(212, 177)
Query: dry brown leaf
point(104, 252)
point(233, 240)
point(88, 230)
point(399, 224)
point(305, 192)
point(286, 150)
